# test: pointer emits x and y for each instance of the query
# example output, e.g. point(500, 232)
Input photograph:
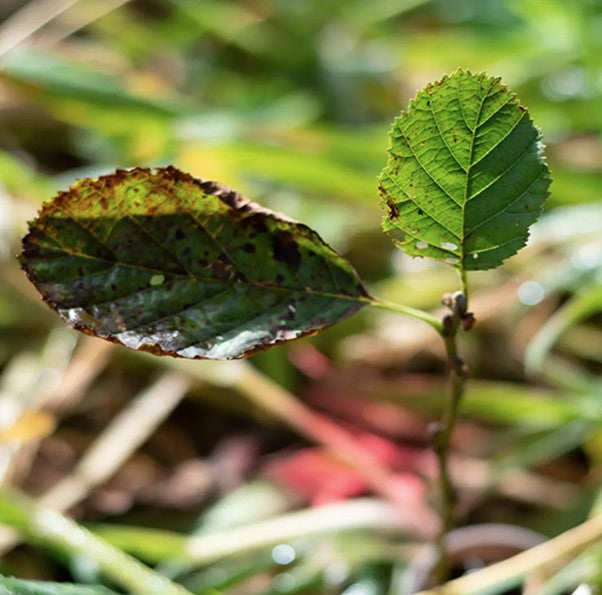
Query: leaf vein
point(388, 175)
point(462, 106)
point(470, 165)
point(496, 111)
point(426, 171)
point(508, 206)
point(249, 323)
point(154, 322)
point(443, 138)
point(191, 213)
point(158, 243)
point(502, 174)
point(79, 223)
point(494, 147)
point(438, 247)
point(491, 248)
point(193, 276)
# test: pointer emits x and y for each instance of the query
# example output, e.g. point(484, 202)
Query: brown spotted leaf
point(160, 261)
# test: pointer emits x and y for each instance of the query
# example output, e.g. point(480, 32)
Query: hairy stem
point(442, 436)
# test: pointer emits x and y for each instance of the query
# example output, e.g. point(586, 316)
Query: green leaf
point(466, 175)
point(159, 261)
point(13, 586)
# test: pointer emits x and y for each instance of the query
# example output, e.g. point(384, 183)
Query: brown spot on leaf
point(207, 186)
point(220, 271)
point(259, 225)
point(234, 200)
point(249, 248)
point(285, 249)
point(393, 210)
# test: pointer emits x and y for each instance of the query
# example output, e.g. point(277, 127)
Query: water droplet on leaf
point(448, 246)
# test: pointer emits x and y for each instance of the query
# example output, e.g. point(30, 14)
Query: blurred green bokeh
point(290, 102)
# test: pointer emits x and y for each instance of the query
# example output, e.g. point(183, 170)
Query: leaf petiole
point(409, 311)
point(464, 283)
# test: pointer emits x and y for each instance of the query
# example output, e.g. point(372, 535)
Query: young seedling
point(156, 260)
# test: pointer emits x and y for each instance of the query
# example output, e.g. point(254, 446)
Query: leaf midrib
point(468, 170)
point(196, 277)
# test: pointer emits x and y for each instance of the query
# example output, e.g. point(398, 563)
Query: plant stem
point(464, 284)
point(458, 371)
point(409, 311)
point(50, 527)
point(442, 438)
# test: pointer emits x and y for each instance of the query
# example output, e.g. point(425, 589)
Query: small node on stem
point(460, 366)
point(459, 303)
point(447, 300)
point(467, 321)
point(449, 326)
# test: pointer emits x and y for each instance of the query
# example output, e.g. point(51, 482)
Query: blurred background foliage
point(290, 103)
